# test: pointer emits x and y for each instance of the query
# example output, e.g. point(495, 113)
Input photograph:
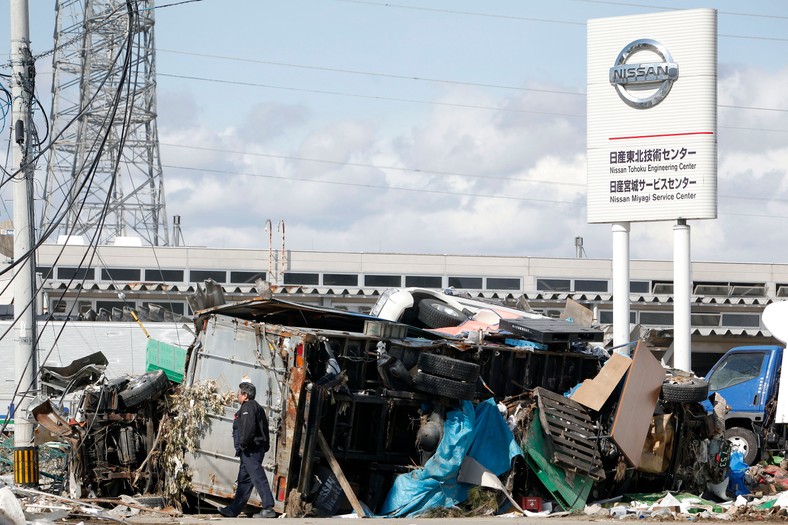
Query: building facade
point(727, 300)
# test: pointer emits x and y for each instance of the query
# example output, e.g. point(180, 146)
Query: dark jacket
point(250, 427)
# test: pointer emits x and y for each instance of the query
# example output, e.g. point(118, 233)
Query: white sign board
point(652, 117)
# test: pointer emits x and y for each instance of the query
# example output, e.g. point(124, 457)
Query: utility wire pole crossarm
point(25, 362)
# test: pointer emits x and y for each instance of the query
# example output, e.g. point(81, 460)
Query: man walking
point(250, 437)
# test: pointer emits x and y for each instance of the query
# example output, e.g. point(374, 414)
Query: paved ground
point(217, 520)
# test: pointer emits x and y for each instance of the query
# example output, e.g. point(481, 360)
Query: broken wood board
point(636, 405)
point(570, 434)
point(593, 393)
point(337, 470)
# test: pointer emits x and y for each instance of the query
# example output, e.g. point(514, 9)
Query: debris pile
point(440, 405)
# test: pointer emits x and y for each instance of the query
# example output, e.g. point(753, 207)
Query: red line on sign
point(663, 135)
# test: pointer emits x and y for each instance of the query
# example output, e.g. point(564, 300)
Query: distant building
point(727, 300)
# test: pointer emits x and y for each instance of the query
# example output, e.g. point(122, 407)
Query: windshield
point(381, 301)
point(736, 369)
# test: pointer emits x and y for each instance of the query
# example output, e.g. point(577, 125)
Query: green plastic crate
point(162, 356)
point(570, 490)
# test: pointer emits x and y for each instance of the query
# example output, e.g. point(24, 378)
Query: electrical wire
point(544, 20)
point(371, 97)
point(369, 73)
point(671, 8)
point(94, 241)
point(418, 171)
point(372, 186)
point(440, 192)
point(426, 102)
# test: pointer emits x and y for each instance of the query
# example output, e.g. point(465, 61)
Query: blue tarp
point(480, 433)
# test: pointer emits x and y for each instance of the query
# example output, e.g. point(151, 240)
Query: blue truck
point(747, 377)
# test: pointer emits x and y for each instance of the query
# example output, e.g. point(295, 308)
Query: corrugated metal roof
point(721, 331)
point(296, 290)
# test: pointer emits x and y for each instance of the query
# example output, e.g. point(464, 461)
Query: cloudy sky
point(432, 126)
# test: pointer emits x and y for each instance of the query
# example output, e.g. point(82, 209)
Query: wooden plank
point(565, 405)
point(552, 408)
point(636, 406)
point(570, 436)
point(580, 449)
point(593, 470)
point(575, 448)
point(594, 392)
point(566, 420)
point(337, 470)
point(580, 416)
point(583, 440)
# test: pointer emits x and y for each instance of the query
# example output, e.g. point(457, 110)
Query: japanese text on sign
point(636, 185)
point(648, 155)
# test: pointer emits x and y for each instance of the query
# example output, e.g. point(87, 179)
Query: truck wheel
point(745, 440)
point(685, 390)
point(435, 314)
point(144, 387)
point(442, 366)
point(440, 386)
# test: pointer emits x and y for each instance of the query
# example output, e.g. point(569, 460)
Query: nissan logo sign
point(651, 80)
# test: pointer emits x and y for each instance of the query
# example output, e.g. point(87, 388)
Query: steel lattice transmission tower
point(91, 41)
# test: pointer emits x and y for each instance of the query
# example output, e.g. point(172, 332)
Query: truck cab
point(746, 376)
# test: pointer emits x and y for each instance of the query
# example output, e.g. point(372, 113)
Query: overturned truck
point(369, 393)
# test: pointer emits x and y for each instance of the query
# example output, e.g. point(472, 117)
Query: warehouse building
point(727, 300)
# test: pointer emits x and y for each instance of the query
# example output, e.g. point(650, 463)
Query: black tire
point(745, 440)
point(440, 386)
point(442, 366)
point(685, 390)
point(144, 387)
point(436, 314)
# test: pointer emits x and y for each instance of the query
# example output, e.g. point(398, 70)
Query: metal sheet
point(233, 350)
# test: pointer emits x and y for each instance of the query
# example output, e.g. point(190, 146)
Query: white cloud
point(448, 168)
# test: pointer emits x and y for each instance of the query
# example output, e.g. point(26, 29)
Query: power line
point(371, 186)
point(369, 97)
point(752, 108)
point(370, 73)
point(469, 13)
point(664, 8)
point(409, 77)
point(374, 166)
point(427, 102)
point(440, 192)
point(547, 20)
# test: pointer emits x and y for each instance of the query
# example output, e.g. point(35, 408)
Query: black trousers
point(251, 474)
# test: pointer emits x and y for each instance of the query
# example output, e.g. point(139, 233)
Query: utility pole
point(25, 362)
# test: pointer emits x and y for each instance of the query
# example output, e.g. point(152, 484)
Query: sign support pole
point(621, 286)
point(682, 285)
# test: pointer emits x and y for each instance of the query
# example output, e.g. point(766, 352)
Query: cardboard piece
point(658, 448)
point(578, 313)
point(636, 406)
point(594, 392)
